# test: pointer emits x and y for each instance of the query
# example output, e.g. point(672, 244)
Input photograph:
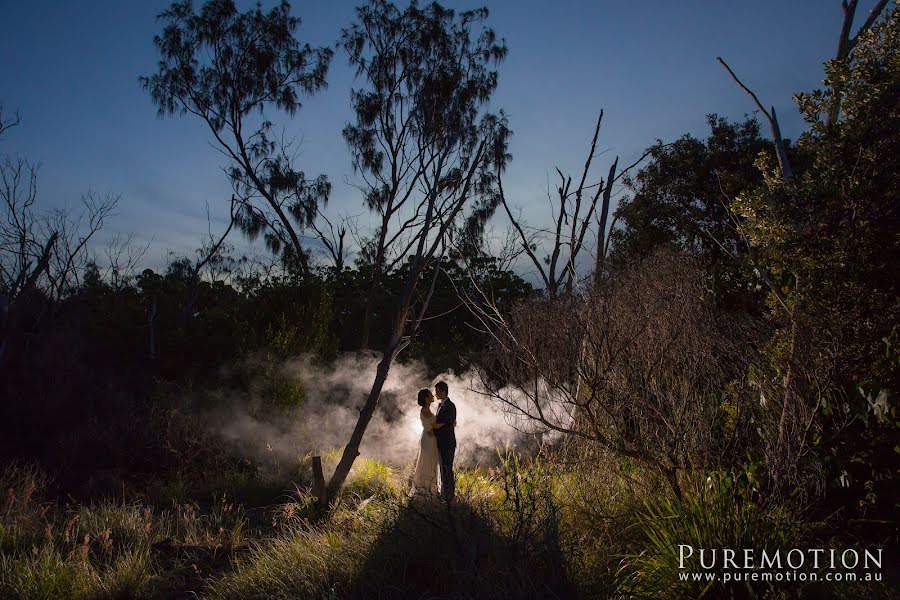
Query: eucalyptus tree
point(425, 79)
point(224, 67)
point(428, 151)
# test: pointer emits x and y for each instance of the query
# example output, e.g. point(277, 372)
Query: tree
point(833, 228)
point(222, 66)
point(578, 211)
point(333, 236)
point(789, 289)
point(42, 254)
point(427, 149)
point(417, 118)
point(123, 255)
point(7, 123)
point(640, 365)
point(846, 43)
point(681, 200)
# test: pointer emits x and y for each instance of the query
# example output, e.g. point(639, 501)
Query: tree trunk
point(786, 171)
point(672, 478)
point(845, 46)
point(604, 216)
point(393, 346)
point(843, 50)
point(351, 450)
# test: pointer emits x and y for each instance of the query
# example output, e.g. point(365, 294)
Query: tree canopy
point(223, 66)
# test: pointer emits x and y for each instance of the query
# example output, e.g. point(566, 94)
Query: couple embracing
point(437, 445)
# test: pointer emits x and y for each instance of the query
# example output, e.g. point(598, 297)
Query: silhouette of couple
point(437, 445)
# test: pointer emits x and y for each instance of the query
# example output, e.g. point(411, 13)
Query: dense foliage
point(829, 241)
point(815, 257)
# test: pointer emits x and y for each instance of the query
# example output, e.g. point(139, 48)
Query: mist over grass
point(324, 403)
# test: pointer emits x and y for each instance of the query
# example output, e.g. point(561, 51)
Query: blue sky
point(71, 69)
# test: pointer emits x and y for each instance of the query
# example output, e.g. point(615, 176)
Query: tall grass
point(301, 562)
point(98, 552)
point(500, 538)
point(524, 529)
point(722, 513)
point(103, 550)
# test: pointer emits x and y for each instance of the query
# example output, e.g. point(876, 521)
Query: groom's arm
point(439, 419)
point(447, 416)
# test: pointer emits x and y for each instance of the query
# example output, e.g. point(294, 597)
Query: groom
point(446, 438)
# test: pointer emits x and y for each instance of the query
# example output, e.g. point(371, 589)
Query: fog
point(336, 393)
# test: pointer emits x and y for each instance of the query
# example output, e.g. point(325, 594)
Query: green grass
point(524, 529)
point(98, 551)
point(301, 562)
point(47, 573)
point(370, 478)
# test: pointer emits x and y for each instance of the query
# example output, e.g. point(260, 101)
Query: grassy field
point(515, 531)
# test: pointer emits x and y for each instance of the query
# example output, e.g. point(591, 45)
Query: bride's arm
point(427, 422)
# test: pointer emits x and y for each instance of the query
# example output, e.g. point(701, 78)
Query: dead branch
point(781, 154)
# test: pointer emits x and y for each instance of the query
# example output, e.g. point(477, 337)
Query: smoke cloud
point(334, 396)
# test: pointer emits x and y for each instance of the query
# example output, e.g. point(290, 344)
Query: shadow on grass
point(429, 549)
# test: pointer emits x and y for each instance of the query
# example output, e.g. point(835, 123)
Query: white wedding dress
point(424, 478)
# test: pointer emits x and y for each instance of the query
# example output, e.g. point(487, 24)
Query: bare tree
point(222, 66)
point(333, 238)
point(503, 245)
point(45, 250)
point(429, 152)
point(7, 123)
point(638, 365)
point(122, 257)
point(575, 213)
point(23, 258)
point(42, 255)
point(772, 118)
point(74, 230)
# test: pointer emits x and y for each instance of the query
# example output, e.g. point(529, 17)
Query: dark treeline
point(710, 347)
point(99, 356)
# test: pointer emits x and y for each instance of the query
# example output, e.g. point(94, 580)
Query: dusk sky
point(72, 68)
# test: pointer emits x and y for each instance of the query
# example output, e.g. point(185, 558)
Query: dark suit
point(446, 443)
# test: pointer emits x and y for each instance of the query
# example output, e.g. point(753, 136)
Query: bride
point(424, 479)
